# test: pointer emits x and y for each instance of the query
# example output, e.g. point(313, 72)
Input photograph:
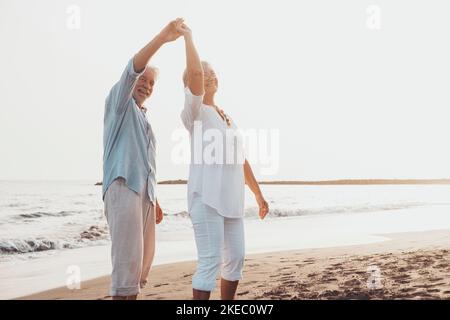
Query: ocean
point(59, 215)
point(41, 222)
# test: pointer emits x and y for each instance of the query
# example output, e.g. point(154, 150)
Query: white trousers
point(220, 243)
point(131, 220)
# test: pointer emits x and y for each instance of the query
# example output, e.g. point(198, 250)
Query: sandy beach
point(413, 265)
point(314, 146)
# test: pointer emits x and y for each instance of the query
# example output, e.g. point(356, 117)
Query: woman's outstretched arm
point(250, 180)
point(194, 76)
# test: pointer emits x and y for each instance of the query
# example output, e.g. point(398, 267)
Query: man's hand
point(263, 206)
point(159, 213)
point(171, 32)
point(168, 34)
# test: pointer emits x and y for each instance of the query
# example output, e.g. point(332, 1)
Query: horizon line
point(335, 182)
point(276, 182)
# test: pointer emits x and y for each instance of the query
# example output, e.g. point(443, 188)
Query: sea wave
point(41, 214)
point(278, 212)
point(363, 208)
point(94, 234)
point(87, 237)
point(15, 205)
point(181, 214)
point(30, 245)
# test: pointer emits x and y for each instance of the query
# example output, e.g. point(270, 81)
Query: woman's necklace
point(223, 115)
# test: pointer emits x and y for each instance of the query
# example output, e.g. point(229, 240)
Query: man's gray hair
point(155, 70)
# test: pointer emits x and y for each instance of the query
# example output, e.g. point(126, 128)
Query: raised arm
point(168, 34)
point(123, 89)
point(250, 180)
point(194, 76)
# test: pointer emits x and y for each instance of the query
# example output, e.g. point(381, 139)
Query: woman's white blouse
point(216, 172)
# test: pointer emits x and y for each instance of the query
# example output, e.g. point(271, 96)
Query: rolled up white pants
point(220, 245)
point(131, 220)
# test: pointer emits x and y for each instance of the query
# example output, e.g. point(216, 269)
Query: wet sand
point(412, 265)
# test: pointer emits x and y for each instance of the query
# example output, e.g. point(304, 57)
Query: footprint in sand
point(424, 286)
point(361, 272)
point(433, 290)
point(336, 265)
point(309, 261)
point(403, 281)
point(352, 283)
point(330, 294)
point(289, 282)
point(420, 294)
point(330, 269)
point(423, 272)
point(439, 284)
point(329, 279)
point(160, 285)
point(401, 276)
point(253, 265)
point(277, 296)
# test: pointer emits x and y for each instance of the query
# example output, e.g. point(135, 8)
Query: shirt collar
point(143, 109)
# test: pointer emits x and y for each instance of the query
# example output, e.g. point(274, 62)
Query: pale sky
point(348, 101)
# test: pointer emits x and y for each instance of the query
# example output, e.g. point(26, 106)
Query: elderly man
point(131, 207)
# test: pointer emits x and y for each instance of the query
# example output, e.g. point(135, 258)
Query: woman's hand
point(184, 30)
point(263, 206)
point(159, 213)
point(250, 180)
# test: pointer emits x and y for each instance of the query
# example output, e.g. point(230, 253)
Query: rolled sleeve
point(122, 92)
point(192, 105)
point(130, 69)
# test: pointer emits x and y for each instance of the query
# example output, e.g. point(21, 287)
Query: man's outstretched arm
point(168, 34)
point(123, 90)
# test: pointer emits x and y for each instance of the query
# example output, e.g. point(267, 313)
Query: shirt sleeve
point(122, 91)
point(192, 105)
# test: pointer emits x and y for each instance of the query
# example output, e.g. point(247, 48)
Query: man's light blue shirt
point(129, 145)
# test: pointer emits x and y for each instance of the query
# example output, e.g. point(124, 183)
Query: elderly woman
point(215, 186)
